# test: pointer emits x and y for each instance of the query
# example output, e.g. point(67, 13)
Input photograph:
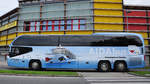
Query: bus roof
point(106, 33)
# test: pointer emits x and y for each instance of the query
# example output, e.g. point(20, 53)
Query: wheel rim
point(104, 67)
point(121, 66)
point(35, 65)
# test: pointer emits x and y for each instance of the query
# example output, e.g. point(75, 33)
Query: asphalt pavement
point(7, 79)
point(88, 78)
point(113, 78)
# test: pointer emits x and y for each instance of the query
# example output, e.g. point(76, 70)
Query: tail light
point(144, 58)
point(47, 59)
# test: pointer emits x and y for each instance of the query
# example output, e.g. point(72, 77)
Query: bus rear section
point(103, 52)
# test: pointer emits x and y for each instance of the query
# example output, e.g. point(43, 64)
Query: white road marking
point(107, 80)
point(114, 78)
point(121, 83)
point(88, 78)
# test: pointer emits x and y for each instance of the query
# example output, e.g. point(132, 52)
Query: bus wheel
point(104, 66)
point(120, 66)
point(35, 65)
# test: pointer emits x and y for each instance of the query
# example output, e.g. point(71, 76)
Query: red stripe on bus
point(41, 25)
point(46, 25)
point(78, 24)
point(53, 22)
point(35, 25)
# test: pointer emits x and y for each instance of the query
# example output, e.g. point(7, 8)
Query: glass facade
point(55, 25)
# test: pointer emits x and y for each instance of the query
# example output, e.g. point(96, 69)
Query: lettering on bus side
point(109, 52)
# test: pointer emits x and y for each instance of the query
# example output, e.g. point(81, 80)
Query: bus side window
point(134, 40)
point(15, 51)
point(82, 40)
point(122, 41)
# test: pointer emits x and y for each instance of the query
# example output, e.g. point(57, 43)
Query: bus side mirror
point(10, 54)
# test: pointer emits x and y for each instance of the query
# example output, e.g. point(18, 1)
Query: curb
point(79, 74)
point(138, 75)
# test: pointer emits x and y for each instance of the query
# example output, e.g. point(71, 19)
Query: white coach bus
point(100, 51)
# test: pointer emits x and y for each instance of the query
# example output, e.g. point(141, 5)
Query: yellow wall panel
point(8, 26)
point(9, 42)
point(108, 19)
point(108, 12)
point(103, 32)
point(108, 5)
point(79, 32)
point(11, 36)
point(146, 42)
point(2, 43)
point(145, 36)
point(108, 27)
point(3, 37)
point(109, 0)
point(53, 33)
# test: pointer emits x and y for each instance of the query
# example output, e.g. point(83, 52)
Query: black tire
point(120, 67)
point(104, 66)
point(35, 65)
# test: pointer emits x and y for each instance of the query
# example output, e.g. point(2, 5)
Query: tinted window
point(37, 41)
point(15, 51)
point(134, 40)
point(81, 40)
point(100, 41)
point(122, 41)
point(76, 40)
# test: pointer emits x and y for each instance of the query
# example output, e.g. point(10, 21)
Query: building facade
point(81, 17)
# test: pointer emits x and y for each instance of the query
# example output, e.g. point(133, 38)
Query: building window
point(49, 25)
point(44, 26)
point(37, 26)
point(31, 26)
point(55, 25)
point(13, 19)
point(27, 26)
point(76, 24)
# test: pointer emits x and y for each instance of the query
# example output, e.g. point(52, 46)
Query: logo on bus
point(133, 50)
point(108, 52)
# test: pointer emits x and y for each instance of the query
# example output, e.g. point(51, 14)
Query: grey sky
point(137, 2)
point(7, 5)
